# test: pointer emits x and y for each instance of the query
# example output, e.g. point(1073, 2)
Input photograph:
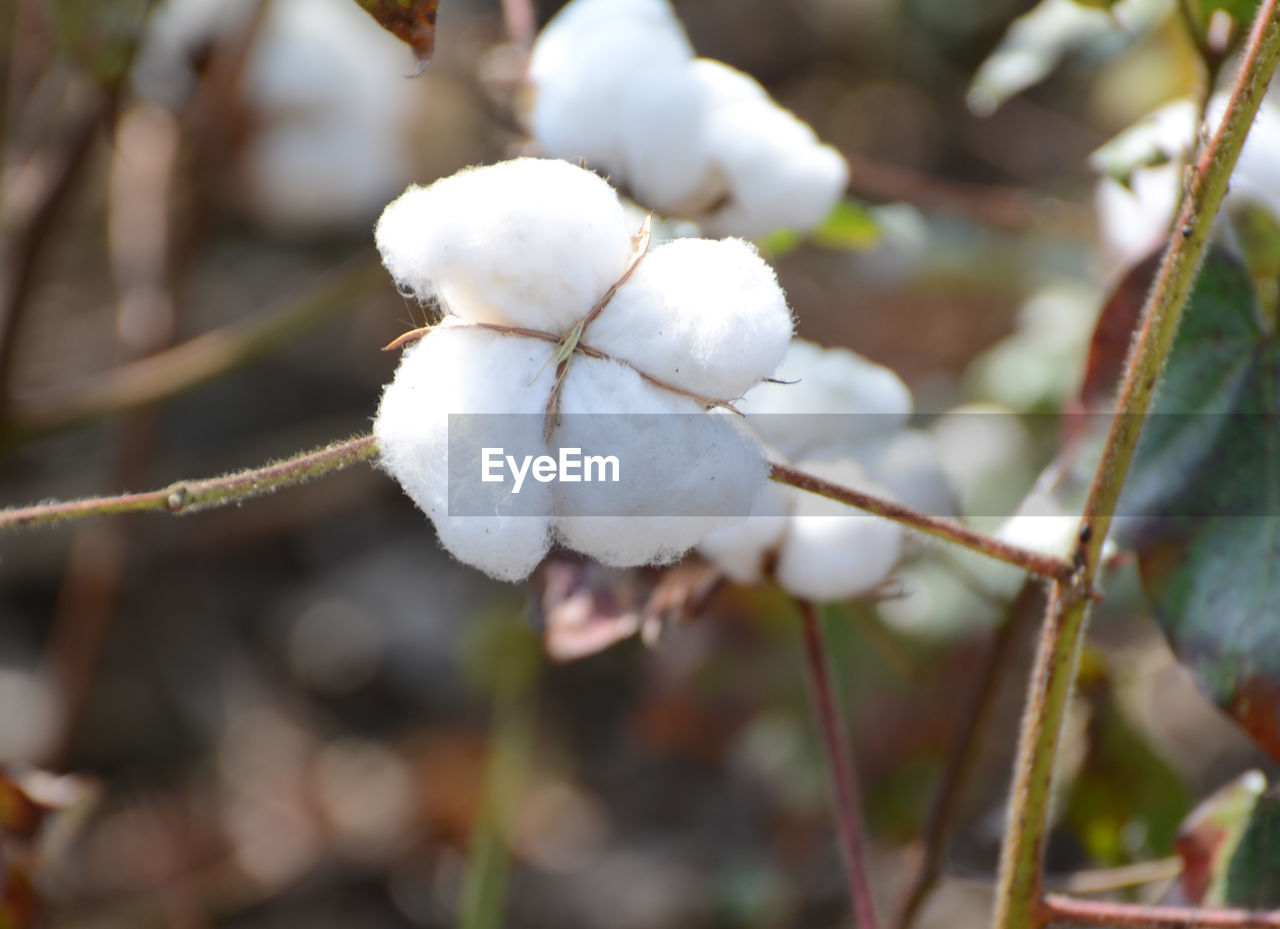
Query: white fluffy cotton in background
point(1134, 220)
point(844, 418)
point(616, 83)
point(326, 88)
point(534, 244)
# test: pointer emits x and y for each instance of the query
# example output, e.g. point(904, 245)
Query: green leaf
point(1253, 879)
point(1205, 494)
point(850, 225)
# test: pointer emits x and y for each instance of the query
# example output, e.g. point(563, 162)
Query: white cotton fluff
point(684, 469)
point(461, 370)
point(846, 417)
point(825, 399)
point(680, 460)
point(830, 554)
point(615, 82)
point(484, 239)
point(707, 317)
point(779, 174)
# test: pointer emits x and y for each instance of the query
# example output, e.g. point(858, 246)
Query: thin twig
point(948, 529)
point(197, 361)
point(24, 248)
point(842, 774)
point(1019, 888)
point(1057, 909)
point(999, 207)
point(190, 496)
point(964, 754)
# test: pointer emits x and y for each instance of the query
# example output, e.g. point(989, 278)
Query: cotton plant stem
point(1019, 887)
point(1061, 910)
point(189, 496)
point(964, 754)
point(840, 769)
point(936, 526)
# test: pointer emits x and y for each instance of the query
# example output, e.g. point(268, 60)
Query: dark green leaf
point(1205, 488)
point(1253, 880)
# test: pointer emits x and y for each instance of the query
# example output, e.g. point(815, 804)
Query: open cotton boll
point(909, 464)
point(705, 316)
point(826, 398)
point(612, 87)
point(827, 553)
point(530, 242)
point(683, 472)
point(451, 371)
point(779, 173)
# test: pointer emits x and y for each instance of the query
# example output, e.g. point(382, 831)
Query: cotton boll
point(612, 87)
point(780, 174)
point(707, 317)
point(829, 554)
point(741, 550)
point(828, 399)
point(452, 370)
point(682, 471)
point(530, 242)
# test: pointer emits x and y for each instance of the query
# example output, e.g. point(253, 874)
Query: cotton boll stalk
point(531, 243)
point(829, 554)
point(450, 371)
point(706, 317)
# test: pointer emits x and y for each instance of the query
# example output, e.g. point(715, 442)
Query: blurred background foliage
point(300, 712)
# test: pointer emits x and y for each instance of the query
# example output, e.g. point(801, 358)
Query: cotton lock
point(530, 358)
point(616, 82)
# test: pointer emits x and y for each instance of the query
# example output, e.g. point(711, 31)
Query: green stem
point(1019, 888)
point(189, 496)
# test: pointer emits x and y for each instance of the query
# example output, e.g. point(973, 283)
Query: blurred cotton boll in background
point(1143, 176)
point(615, 82)
point(843, 418)
point(328, 98)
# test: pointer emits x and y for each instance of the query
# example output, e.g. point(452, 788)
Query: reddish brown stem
point(842, 775)
point(1058, 910)
point(936, 526)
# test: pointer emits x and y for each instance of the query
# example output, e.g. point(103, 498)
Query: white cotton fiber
point(829, 399)
point(742, 549)
point(453, 370)
point(611, 86)
point(616, 83)
point(530, 242)
point(780, 174)
point(705, 316)
point(830, 555)
point(683, 472)
point(909, 464)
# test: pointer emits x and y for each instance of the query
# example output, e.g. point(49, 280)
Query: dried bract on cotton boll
point(843, 418)
point(567, 344)
point(615, 82)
